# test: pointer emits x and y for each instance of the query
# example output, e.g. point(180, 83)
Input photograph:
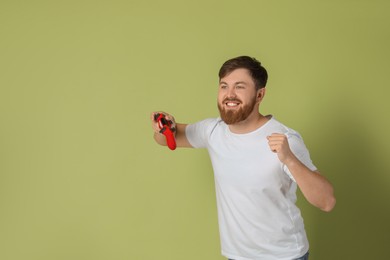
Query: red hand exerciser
point(166, 129)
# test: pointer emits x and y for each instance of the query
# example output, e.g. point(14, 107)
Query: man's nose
point(231, 93)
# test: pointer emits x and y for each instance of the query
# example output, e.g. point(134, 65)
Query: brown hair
point(259, 73)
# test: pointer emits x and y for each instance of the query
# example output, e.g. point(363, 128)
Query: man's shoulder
point(209, 121)
point(206, 126)
point(276, 125)
point(199, 133)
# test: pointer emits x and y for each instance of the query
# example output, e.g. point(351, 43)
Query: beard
point(231, 116)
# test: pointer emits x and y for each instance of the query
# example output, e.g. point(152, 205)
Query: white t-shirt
point(256, 193)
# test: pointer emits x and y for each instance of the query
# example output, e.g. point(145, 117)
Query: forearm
point(315, 187)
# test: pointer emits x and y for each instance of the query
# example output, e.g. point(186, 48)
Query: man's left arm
point(314, 186)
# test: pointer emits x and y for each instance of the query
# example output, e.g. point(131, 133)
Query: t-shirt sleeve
point(299, 149)
point(198, 133)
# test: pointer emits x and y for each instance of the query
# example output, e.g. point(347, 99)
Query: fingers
point(155, 124)
point(170, 118)
point(277, 142)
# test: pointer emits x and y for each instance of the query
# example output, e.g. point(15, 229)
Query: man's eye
point(239, 86)
point(223, 86)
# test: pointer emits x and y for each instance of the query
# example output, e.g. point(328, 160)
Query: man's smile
point(232, 103)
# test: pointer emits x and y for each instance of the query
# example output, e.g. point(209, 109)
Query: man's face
point(236, 96)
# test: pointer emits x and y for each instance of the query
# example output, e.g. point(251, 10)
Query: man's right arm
point(180, 133)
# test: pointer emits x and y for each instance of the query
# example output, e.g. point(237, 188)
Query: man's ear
point(260, 94)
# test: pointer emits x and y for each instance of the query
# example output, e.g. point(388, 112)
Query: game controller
point(166, 129)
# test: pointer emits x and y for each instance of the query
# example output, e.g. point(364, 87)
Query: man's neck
point(253, 122)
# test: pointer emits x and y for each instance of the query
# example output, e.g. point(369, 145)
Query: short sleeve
point(198, 133)
point(299, 149)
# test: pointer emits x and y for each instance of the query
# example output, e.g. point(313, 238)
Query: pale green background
point(80, 175)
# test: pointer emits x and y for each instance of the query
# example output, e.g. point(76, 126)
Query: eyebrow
point(235, 83)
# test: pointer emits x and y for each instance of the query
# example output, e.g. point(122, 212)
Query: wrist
point(291, 160)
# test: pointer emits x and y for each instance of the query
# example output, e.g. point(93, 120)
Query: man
point(258, 163)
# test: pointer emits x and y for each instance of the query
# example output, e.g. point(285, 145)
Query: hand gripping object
point(166, 129)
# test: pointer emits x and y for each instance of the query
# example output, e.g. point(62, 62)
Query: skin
point(239, 86)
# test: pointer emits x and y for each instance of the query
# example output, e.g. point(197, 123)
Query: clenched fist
point(278, 144)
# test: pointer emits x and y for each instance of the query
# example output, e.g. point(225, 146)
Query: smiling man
point(258, 163)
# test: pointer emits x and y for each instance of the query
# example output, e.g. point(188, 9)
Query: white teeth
point(230, 104)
